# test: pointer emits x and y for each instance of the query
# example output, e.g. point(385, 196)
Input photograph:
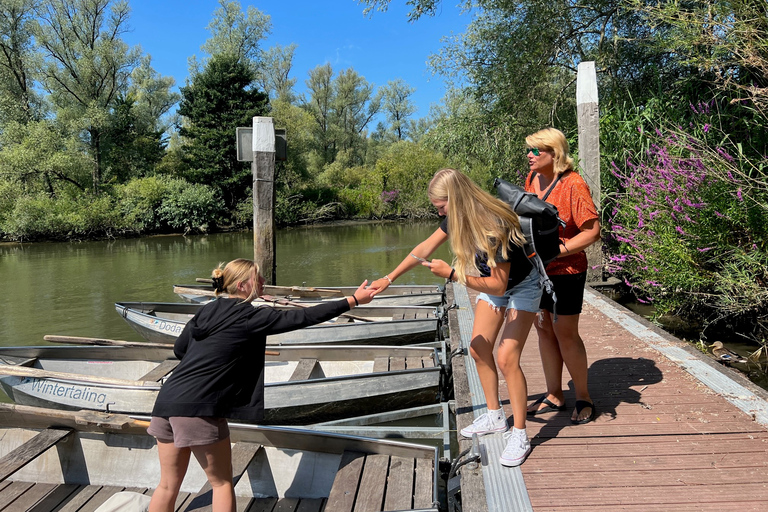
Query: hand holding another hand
point(365, 295)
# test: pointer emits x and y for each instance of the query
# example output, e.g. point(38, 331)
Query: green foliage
point(190, 206)
point(687, 226)
point(219, 100)
point(43, 217)
point(162, 203)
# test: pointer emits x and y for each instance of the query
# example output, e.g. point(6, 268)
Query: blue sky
point(380, 48)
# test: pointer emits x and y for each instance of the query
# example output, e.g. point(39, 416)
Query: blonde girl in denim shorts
point(485, 239)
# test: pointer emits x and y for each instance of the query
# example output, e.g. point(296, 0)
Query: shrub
point(41, 216)
point(687, 225)
point(162, 203)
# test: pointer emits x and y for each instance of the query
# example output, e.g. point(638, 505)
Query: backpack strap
point(552, 186)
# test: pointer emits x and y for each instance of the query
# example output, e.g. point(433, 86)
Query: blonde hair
point(553, 140)
point(226, 278)
point(477, 221)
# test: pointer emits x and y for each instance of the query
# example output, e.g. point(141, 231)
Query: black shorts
point(569, 289)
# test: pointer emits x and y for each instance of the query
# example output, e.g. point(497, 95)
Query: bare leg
point(216, 461)
point(574, 355)
point(484, 331)
point(516, 329)
point(173, 466)
point(551, 361)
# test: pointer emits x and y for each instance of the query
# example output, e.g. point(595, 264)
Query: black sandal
point(580, 406)
point(550, 407)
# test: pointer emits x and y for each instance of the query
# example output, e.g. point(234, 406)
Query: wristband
point(386, 276)
point(450, 277)
point(355, 299)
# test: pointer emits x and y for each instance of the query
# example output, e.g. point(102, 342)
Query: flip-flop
point(550, 407)
point(580, 406)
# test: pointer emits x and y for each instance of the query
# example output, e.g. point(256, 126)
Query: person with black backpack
point(558, 329)
point(487, 244)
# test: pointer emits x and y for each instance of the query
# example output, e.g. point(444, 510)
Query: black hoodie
point(221, 373)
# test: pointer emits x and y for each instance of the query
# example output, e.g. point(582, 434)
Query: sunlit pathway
point(676, 431)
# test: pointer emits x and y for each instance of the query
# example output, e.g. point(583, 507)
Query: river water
point(70, 288)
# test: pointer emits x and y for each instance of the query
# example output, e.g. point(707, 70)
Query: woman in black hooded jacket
point(221, 375)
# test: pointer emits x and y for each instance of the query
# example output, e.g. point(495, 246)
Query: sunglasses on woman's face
point(535, 151)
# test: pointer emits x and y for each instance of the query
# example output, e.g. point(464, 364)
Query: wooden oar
point(104, 342)
point(118, 343)
point(311, 291)
point(286, 302)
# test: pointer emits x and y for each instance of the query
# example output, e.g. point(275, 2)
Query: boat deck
point(676, 430)
point(364, 482)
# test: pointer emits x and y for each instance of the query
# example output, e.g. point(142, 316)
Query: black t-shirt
point(519, 266)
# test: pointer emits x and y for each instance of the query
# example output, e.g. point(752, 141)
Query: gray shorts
point(524, 296)
point(184, 432)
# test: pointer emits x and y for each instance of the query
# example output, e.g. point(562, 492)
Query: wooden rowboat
point(162, 322)
point(303, 384)
point(53, 460)
point(395, 295)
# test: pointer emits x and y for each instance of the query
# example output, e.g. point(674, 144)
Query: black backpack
point(540, 224)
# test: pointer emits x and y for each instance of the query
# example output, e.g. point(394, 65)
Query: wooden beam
point(29, 451)
point(304, 369)
point(161, 370)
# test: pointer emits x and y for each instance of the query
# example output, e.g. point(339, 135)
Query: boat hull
point(342, 384)
point(162, 323)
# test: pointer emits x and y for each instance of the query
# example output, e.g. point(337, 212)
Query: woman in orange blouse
point(559, 341)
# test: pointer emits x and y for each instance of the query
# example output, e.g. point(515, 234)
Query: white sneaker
point(517, 449)
point(485, 424)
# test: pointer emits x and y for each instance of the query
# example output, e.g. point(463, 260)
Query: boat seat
point(160, 370)
point(30, 450)
point(242, 455)
point(396, 363)
point(381, 364)
point(304, 369)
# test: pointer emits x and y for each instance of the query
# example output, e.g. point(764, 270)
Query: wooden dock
point(676, 430)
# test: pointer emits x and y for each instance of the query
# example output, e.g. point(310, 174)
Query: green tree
point(272, 76)
point(18, 58)
point(218, 100)
point(236, 33)
point(320, 106)
point(87, 65)
point(355, 103)
point(398, 107)
point(152, 94)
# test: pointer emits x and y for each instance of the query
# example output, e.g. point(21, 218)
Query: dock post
point(263, 168)
point(588, 113)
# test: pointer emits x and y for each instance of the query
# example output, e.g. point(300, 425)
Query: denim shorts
point(525, 296)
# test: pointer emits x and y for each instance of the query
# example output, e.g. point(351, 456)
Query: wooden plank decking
point(664, 441)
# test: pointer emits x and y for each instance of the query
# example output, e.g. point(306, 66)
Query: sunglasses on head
point(535, 151)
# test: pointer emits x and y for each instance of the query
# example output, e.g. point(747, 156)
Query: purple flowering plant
point(686, 227)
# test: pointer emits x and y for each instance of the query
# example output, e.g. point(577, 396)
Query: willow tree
point(87, 65)
point(18, 59)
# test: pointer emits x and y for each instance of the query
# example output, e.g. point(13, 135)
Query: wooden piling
point(587, 108)
point(263, 168)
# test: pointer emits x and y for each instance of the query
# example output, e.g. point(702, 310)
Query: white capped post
point(263, 168)
point(588, 112)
